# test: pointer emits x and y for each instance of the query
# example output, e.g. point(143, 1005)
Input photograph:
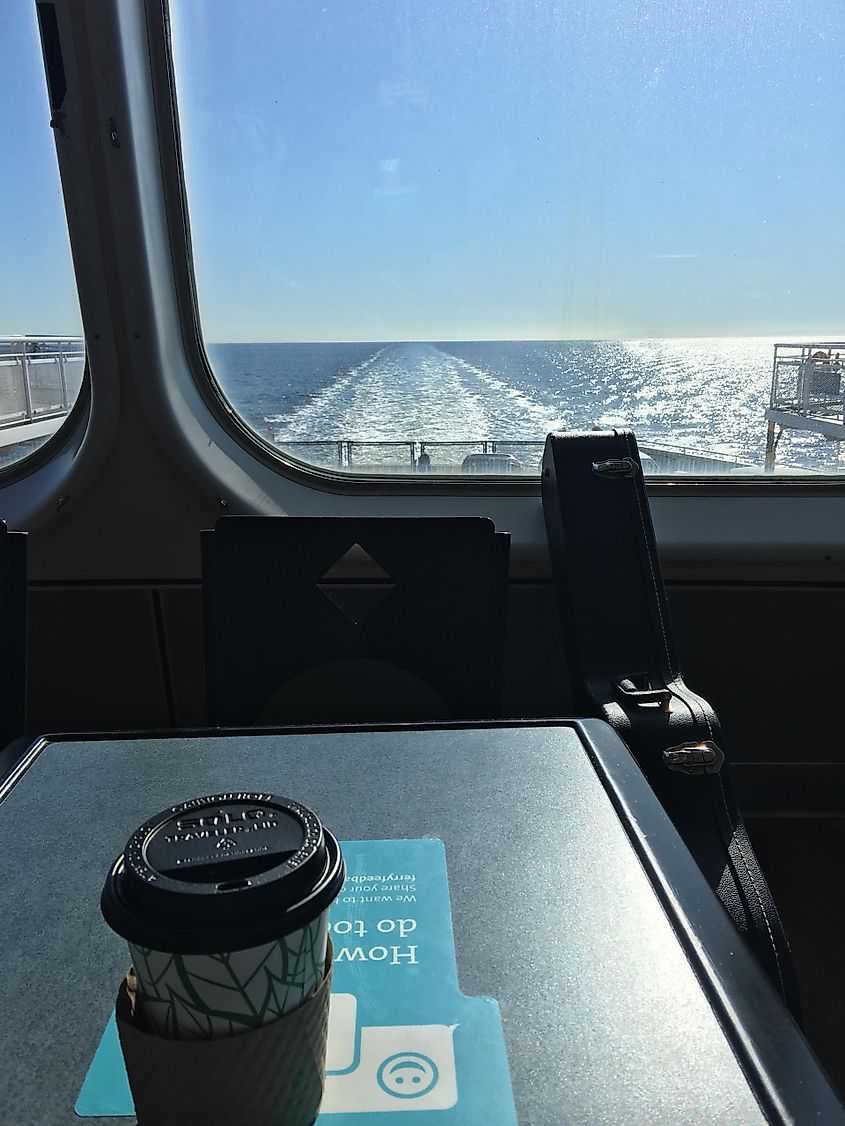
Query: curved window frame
point(370, 483)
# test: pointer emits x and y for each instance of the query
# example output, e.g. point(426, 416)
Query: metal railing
point(404, 456)
point(39, 378)
point(807, 379)
point(489, 456)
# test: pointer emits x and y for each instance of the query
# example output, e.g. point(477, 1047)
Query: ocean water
point(705, 394)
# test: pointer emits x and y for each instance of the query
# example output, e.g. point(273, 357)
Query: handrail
point(807, 379)
point(34, 381)
point(347, 453)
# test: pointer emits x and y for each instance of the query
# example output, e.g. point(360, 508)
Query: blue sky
point(387, 169)
point(37, 288)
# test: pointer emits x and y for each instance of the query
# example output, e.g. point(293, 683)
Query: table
point(625, 993)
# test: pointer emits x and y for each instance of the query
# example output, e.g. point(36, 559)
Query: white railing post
point(27, 390)
point(61, 362)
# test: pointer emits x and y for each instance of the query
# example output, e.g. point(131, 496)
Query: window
point(424, 235)
point(42, 356)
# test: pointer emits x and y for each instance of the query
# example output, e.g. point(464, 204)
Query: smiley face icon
point(407, 1075)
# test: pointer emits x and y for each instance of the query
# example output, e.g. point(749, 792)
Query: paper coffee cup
point(224, 903)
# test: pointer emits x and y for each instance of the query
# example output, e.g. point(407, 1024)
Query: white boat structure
point(807, 393)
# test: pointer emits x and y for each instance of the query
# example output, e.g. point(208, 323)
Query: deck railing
point(38, 378)
point(807, 379)
point(449, 456)
point(404, 456)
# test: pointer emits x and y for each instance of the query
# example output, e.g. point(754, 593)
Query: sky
point(400, 169)
point(37, 287)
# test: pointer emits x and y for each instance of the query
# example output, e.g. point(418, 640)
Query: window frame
point(349, 482)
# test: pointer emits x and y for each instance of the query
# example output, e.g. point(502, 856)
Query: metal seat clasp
point(694, 758)
point(616, 467)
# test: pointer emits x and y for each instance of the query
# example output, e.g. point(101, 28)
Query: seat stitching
point(739, 846)
point(756, 890)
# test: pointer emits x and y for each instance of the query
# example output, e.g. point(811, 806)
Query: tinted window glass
point(42, 356)
point(426, 234)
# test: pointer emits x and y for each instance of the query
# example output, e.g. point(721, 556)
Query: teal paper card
point(401, 1036)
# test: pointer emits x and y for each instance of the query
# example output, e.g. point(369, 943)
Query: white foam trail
point(403, 392)
point(514, 414)
point(313, 412)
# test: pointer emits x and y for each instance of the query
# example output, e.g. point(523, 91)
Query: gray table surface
point(604, 1019)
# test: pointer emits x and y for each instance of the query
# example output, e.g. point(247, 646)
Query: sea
point(707, 395)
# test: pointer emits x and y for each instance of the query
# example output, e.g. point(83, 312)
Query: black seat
point(13, 629)
point(624, 669)
point(288, 641)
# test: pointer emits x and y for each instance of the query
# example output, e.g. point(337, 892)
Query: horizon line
point(780, 337)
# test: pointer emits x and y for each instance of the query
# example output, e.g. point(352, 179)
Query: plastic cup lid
point(220, 873)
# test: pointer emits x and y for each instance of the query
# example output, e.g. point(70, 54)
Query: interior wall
point(770, 661)
point(106, 656)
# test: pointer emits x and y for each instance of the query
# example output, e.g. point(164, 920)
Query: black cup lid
point(222, 873)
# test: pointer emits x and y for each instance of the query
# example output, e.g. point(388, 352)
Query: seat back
point(13, 630)
point(288, 641)
point(624, 669)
